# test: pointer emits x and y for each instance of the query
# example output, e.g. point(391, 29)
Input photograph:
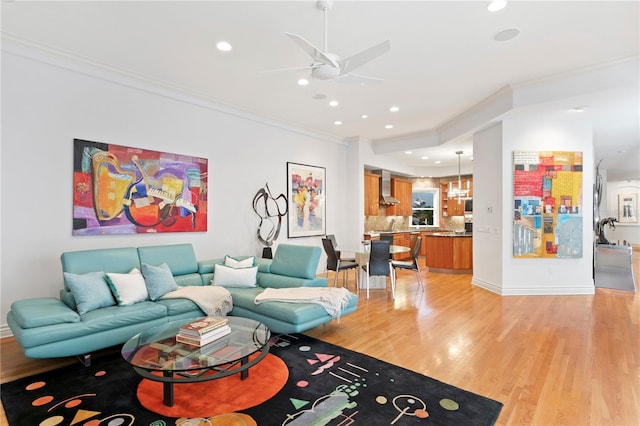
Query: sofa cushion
point(120, 260)
point(232, 262)
point(234, 277)
point(292, 313)
point(282, 281)
point(89, 290)
point(180, 257)
point(128, 288)
point(42, 311)
point(158, 279)
point(296, 261)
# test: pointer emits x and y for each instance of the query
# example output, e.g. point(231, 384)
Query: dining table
point(361, 255)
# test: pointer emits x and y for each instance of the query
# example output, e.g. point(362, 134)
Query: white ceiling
point(445, 72)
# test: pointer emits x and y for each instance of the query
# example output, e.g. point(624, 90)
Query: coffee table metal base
point(169, 378)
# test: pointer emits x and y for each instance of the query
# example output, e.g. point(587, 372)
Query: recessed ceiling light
point(424, 158)
point(334, 103)
point(223, 46)
point(394, 109)
point(389, 126)
point(365, 116)
point(496, 5)
point(507, 35)
point(303, 82)
point(437, 162)
point(337, 123)
point(408, 152)
point(577, 109)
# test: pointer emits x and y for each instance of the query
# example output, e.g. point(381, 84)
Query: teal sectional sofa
point(50, 327)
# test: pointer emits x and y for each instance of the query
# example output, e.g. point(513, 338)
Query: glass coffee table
point(155, 355)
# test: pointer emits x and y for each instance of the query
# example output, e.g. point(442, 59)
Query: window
point(424, 207)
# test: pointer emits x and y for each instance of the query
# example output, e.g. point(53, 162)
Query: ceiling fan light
point(496, 5)
point(223, 46)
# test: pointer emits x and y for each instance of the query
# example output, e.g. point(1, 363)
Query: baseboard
point(5, 331)
point(534, 291)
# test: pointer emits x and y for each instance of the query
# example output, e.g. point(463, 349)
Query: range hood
point(385, 189)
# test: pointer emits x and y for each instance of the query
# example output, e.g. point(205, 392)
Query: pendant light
point(458, 192)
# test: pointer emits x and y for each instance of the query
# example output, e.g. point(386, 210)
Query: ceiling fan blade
point(356, 61)
point(312, 51)
point(358, 79)
point(306, 67)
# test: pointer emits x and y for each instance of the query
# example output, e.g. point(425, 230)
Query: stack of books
point(203, 331)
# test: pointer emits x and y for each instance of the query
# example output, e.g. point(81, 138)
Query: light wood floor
point(552, 360)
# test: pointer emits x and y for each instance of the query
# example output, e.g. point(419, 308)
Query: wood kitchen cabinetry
point(449, 253)
point(371, 194)
point(450, 205)
point(402, 191)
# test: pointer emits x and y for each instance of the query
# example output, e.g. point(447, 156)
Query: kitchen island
point(449, 252)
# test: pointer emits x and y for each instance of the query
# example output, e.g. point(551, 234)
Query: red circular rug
point(226, 395)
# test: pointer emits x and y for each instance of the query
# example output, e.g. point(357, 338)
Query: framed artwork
point(547, 204)
point(628, 208)
point(306, 195)
point(125, 190)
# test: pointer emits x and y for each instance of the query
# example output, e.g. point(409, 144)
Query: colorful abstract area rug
point(303, 381)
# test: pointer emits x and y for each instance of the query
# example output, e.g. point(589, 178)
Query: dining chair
point(334, 263)
point(335, 246)
point(390, 239)
point(413, 264)
point(379, 264)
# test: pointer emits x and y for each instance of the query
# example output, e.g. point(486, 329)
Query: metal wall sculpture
point(268, 208)
point(124, 190)
point(547, 209)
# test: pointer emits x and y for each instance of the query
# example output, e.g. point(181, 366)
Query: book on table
point(203, 325)
point(205, 338)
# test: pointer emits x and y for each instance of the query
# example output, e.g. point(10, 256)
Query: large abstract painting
point(124, 190)
point(547, 209)
point(306, 195)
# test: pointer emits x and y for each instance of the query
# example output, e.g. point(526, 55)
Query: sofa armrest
point(37, 312)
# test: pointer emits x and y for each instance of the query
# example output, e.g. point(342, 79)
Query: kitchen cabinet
point(401, 190)
point(371, 194)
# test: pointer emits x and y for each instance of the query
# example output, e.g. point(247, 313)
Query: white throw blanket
point(212, 300)
point(332, 299)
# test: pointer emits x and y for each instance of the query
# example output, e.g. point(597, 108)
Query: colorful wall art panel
point(547, 204)
point(306, 195)
point(124, 190)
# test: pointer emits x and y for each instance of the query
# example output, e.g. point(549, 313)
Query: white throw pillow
point(234, 277)
point(235, 263)
point(128, 288)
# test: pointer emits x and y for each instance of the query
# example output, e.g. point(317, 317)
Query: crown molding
point(24, 48)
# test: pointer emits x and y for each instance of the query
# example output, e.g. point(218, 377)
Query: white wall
point(47, 102)
point(629, 232)
point(547, 275)
point(488, 209)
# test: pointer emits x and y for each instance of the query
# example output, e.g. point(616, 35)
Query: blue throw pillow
point(159, 280)
point(90, 291)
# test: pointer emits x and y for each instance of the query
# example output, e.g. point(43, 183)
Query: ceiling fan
point(329, 66)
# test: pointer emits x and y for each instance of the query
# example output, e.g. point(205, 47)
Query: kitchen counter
point(450, 234)
point(449, 252)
